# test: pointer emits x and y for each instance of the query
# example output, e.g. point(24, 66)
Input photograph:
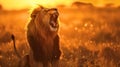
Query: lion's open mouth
point(53, 21)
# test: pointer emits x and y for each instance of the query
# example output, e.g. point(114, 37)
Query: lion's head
point(46, 18)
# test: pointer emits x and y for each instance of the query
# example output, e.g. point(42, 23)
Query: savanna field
point(89, 36)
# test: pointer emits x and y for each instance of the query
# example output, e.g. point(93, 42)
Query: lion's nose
point(55, 11)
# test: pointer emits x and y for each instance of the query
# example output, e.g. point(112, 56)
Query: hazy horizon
point(22, 4)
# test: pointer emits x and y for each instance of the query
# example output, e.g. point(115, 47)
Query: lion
point(42, 36)
point(43, 39)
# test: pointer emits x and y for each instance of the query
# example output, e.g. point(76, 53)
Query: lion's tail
point(13, 38)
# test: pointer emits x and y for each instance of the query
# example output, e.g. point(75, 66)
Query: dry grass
point(89, 38)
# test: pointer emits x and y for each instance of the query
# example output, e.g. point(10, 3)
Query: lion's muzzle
point(53, 20)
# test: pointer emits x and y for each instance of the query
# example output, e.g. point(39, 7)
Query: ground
point(89, 36)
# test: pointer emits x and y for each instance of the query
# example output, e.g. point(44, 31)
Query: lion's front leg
point(56, 53)
point(55, 63)
point(46, 64)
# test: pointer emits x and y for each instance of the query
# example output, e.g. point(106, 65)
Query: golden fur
point(42, 36)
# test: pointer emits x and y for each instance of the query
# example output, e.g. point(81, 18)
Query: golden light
point(20, 4)
point(16, 4)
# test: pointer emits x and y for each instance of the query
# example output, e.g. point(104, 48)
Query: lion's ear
point(35, 11)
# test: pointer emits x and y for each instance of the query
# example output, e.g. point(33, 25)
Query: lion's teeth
point(53, 23)
point(53, 29)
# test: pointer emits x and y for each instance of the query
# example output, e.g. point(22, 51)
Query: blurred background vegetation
point(89, 35)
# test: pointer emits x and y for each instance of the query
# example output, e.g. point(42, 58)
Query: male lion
point(43, 38)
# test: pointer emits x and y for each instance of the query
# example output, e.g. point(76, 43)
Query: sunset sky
point(20, 4)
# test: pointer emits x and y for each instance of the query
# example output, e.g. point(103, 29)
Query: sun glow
point(20, 4)
point(16, 4)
